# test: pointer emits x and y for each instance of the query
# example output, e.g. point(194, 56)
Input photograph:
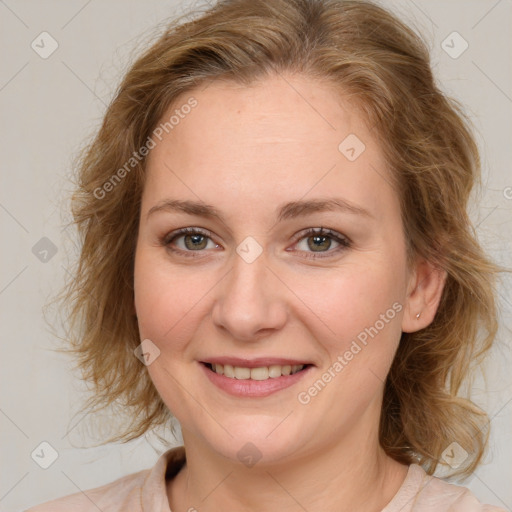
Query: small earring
point(418, 315)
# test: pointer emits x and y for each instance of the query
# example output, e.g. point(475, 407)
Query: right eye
point(188, 240)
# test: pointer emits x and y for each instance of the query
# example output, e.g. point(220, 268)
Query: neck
point(354, 474)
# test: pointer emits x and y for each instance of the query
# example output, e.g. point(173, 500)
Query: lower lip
point(253, 388)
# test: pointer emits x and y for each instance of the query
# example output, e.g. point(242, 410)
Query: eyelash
point(344, 242)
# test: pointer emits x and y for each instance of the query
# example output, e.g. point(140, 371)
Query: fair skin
point(247, 151)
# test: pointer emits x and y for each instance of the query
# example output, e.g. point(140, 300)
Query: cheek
point(166, 306)
point(361, 302)
point(362, 307)
point(167, 301)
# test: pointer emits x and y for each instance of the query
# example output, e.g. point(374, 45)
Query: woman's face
point(250, 172)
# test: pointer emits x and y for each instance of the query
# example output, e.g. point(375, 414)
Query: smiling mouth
point(260, 373)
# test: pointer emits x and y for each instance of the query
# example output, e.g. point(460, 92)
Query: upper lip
point(254, 363)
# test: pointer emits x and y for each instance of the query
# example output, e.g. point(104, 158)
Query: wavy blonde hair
point(368, 54)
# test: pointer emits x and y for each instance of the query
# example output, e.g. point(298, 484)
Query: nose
point(250, 301)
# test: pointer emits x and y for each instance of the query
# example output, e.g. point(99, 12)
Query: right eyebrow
point(191, 207)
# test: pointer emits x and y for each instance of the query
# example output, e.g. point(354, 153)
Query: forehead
point(279, 139)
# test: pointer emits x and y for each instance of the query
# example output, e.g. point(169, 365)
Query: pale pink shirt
point(145, 491)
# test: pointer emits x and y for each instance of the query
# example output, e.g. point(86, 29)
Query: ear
point(425, 287)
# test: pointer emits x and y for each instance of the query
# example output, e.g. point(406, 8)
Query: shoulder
point(440, 495)
point(120, 494)
point(423, 493)
point(144, 490)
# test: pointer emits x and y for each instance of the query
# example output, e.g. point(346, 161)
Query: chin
point(261, 440)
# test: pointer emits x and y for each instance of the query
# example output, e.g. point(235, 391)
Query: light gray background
point(49, 106)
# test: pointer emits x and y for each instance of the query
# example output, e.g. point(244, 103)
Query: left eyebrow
point(299, 208)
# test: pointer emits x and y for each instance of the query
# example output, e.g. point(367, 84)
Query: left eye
point(320, 241)
point(192, 240)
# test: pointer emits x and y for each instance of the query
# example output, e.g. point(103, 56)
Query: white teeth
point(228, 370)
point(261, 373)
point(242, 373)
point(274, 371)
